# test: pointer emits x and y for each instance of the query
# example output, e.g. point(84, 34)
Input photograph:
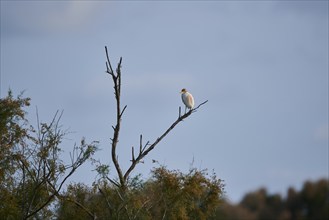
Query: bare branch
point(117, 87)
point(118, 70)
point(132, 154)
point(140, 143)
point(108, 63)
point(147, 143)
point(194, 109)
point(81, 158)
point(124, 108)
point(144, 151)
point(113, 182)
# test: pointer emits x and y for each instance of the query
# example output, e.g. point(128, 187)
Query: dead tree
point(144, 149)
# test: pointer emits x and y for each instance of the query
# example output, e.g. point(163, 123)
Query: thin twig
point(108, 63)
point(140, 143)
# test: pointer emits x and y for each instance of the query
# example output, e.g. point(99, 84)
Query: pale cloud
point(46, 17)
point(321, 133)
point(74, 14)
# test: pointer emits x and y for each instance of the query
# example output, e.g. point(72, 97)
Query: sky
point(262, 66)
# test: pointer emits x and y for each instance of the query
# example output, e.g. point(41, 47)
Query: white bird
point(187, 99)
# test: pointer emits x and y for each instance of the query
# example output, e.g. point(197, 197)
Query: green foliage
point(31, 170)
point(184, 196)
point(167, 195)
point(76, 196)
point(13, 133)
point(12, 130)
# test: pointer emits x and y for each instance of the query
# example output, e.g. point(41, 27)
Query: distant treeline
point(311, 203)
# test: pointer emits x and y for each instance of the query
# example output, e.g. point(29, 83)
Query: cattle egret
point(188, 99)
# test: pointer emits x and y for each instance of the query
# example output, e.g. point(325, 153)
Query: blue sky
point(263, 66)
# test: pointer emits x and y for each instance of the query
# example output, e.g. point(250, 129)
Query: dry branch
point(117, 87)
point(143, 150)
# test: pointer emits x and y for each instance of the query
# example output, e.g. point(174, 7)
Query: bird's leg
point(185, 109)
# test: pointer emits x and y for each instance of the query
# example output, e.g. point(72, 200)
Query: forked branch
point(143, 149)
point(116, 77)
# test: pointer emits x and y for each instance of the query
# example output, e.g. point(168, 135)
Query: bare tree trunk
point(143, 149)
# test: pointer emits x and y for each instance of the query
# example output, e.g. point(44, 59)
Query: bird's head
point(183, 91)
